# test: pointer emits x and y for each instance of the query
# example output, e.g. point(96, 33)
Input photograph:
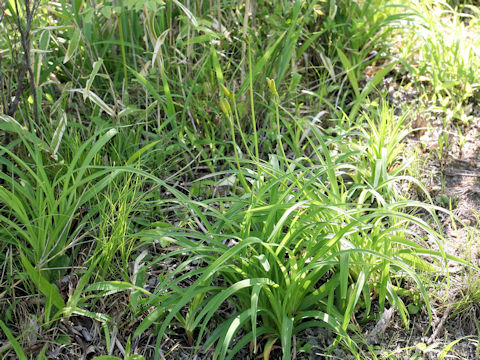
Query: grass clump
point(441, 49)
point(297, 250)
point(221, 176)
point(45, 199)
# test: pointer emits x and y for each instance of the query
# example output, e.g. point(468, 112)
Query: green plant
point(43, 200)
point(293, 252)
point(296, 214)
point(382, 166)
point(114, 230)
point(443, 148)
point(289, 262)
point(447, 52)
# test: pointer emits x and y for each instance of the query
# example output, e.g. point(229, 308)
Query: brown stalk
point(25, 65)
point(12, 102)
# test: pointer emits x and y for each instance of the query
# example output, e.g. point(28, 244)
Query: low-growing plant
point(295, 215)
point(44, 202)
point(294, 251)
point(377, 152)
point(445, 51)
point(115, 242)
point(292, 263)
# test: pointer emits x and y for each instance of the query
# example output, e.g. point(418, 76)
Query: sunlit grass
point(241, 142)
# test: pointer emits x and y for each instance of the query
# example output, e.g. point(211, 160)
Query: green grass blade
point(352, 302)
point(13, 341)
point(140, 152)
point(359, 101)
point(47, 289)
point(168, 95)
point(344, 273)
point(260, 64)
point(347, 65)
point(72, 45)
point(254, 306)
point(237, 322)
point(286, 337)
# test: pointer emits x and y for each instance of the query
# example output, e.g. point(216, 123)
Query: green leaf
point(216, 66)
point(447, 348)
point(216, 301)
point(359, 101)
point(264, 262)
point(106, 331)
point(96, 66)
point(286, 337)
point(50, 291)
point(149, 320)
point(350, 70)
point(144, 82)
point(254, 306)
point(90, 314)
point(74, 299)
point(13, 341)
point(113, 287)
point(140, 152)
point(97, 100)
point(168, 95)
point(72, 46)
point(170, 108)
point(235, 324)
point(58, 134)
point(352, 302)
point(187, 12)
point(261, 63)
point(99, 144)
point(344, 272)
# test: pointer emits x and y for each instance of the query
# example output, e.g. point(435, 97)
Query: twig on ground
point(440, 325)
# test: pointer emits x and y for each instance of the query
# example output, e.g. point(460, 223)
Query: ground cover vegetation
point(185, 179)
